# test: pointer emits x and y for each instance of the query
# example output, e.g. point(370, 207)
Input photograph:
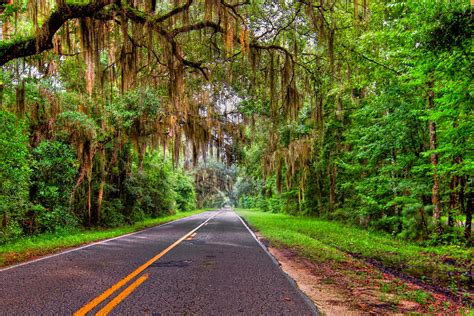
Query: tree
point(357, 111)
point(14, 175)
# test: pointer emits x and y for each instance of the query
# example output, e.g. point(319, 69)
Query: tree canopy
point(355, 110)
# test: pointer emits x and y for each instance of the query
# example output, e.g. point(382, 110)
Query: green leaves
point(135, 106)
point(14, 174)
point(54, 173)
point(14, 159)
point(77, 125)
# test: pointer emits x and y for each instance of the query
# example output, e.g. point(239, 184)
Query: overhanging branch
point(43, 40)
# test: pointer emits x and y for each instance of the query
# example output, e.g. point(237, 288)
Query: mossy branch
point(43, 40)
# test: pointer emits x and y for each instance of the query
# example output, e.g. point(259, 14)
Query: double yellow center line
point(99, 299)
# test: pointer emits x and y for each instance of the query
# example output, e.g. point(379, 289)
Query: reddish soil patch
point(354, 287)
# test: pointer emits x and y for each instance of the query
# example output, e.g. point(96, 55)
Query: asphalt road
point(173, 269)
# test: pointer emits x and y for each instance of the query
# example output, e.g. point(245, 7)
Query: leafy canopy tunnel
point(100, 75)
point(355, 110)
point(187, 50)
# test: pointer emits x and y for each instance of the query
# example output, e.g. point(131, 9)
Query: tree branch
point(107, 10)
point(195, 27)
point(43, 40)
point(371, 60)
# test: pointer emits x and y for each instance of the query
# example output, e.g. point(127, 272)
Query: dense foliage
point(14, 174)
point(359, 111)
point(68, 172)
point(384, 136)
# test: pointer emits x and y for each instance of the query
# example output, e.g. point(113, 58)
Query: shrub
point(14, 175)
point(185, 194)
point(112, 213)
point(248, 201)
point(149, 192)
point(54, 174)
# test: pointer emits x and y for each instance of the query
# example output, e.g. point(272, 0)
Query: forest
point(359, 112)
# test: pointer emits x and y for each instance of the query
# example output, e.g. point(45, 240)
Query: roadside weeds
point(370, 272)
point(354, 287)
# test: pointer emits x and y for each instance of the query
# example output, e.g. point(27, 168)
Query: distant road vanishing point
point(206, 264)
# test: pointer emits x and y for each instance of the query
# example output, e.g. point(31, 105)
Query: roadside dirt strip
point(206, 264)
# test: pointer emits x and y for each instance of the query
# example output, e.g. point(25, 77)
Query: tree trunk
point(100, 197)
point(80, 179)
point(1, 94)
point(20, 98)
point(89, 201)
point(435, 197)
point(462, 195)
point(468, 224)
point(453, 199)
point(100, 194)
point(4, 222)
point(319, 191)
point(141, 156)
point(332, 170)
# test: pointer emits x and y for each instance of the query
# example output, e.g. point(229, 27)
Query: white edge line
point(93, 244)
point(303, 295)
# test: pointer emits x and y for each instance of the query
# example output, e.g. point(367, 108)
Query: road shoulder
point(355, 287)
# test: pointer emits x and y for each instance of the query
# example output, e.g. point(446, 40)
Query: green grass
point(322, 240)
point(34, 246)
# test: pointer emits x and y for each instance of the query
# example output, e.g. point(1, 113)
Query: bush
point(149, 192)
point(417, 221)
point(14, 175)
point(112, 213)
point(344, 215)
point(10, 231)
point(38, 219)
point(391, 224)
point(248, 201)
point(262, 204)
point(54, 174)
point(185, 194)
point(276, 205)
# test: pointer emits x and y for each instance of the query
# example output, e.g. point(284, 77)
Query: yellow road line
point(99, 299)
point(111, 305)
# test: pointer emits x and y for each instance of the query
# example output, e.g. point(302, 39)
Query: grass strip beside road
point(322, 241)
point(35, 246)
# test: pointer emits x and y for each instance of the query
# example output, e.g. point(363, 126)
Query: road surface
point(206, 264)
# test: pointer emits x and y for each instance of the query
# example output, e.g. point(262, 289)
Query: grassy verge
point(323, 241)
point(34, 246)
